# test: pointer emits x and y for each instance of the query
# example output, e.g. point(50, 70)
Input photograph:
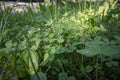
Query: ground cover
point(69, 41)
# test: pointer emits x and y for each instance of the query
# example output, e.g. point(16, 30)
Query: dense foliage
point(71, 41)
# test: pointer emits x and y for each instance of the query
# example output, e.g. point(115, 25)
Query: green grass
point(73, 41)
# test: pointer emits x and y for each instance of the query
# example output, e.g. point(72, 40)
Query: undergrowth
point(71, 41)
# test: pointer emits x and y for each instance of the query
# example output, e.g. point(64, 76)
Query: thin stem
point(97, 68)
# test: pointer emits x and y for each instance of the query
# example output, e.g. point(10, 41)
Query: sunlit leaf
point(46, 55)
point(60, 40)
point(8, 44)
point(27, 59)
point(47, 58)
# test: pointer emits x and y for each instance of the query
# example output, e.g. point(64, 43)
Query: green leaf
point(76, 43)
point(111, 51)
point(112, 63)
point(47, 58)
point(51, 57)
point(46, 55)
point(28, 62)
point(60, 40)
point(41, 75)
point(60, 32)
point(117, 37)
point(71, 78)
point(62, 76)
point(8, 44)
point(60, 50)
point(42, 8)
point(89, 68)
point(36, 45)
point(30, 33)
point(35, 62)
point(89, 52)
point(67, 50)
point(43, 63)
point(72, 48)
point(82, 68)
point(51, 36)
point(22, 45)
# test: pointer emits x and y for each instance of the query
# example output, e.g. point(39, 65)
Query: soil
point(19, 6)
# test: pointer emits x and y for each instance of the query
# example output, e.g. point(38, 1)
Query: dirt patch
point(19, 6)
